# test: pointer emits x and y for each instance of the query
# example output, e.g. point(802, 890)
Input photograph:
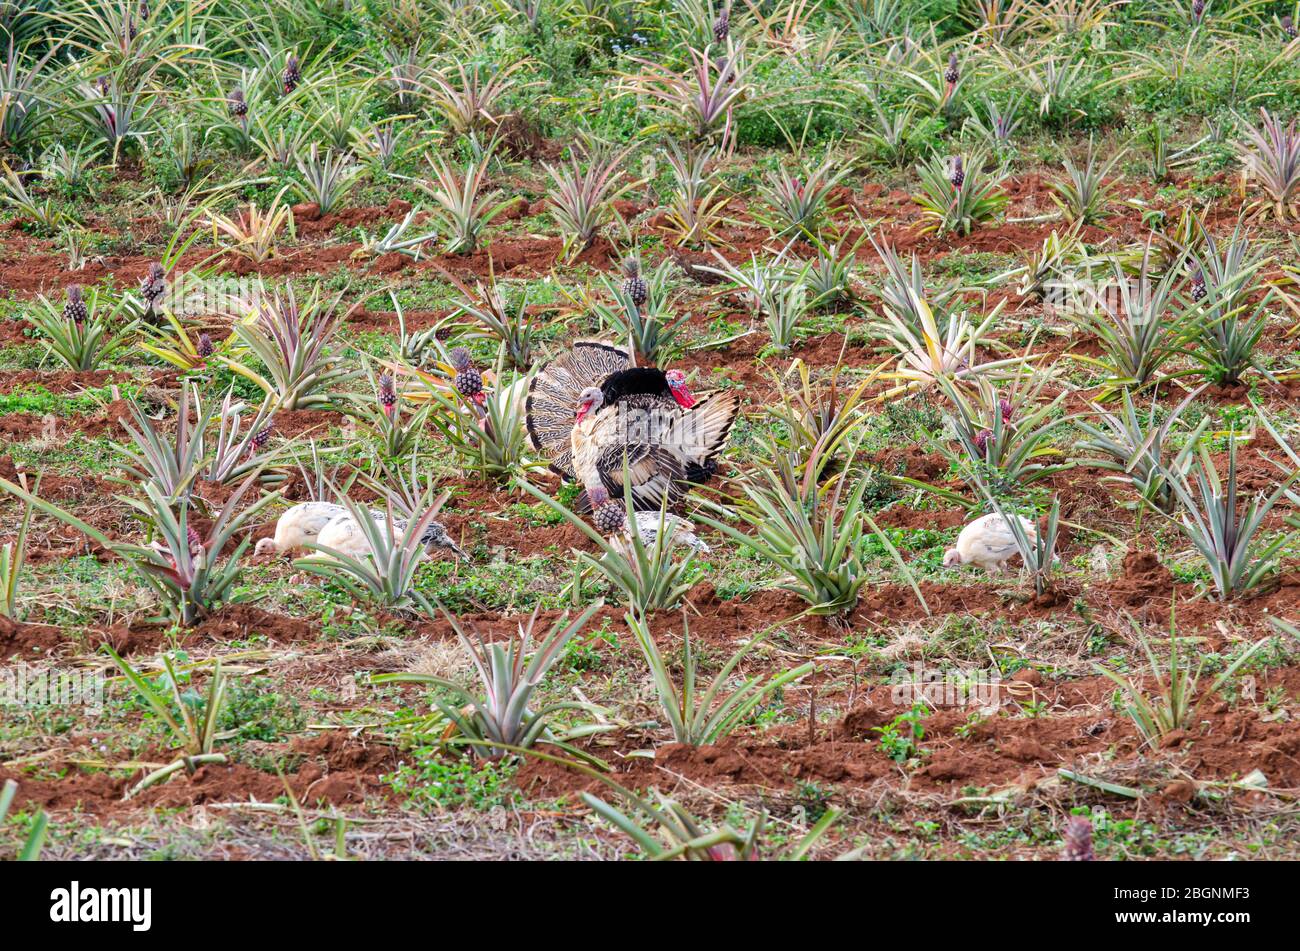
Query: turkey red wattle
point(681, 392)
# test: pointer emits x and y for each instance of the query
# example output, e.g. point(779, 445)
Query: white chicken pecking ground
point(345, 536)
point(298, 526)
point(989, 543)
point(332, 526)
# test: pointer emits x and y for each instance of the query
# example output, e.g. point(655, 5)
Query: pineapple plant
point(958, 194)
point(87, 329)
point(634, 285)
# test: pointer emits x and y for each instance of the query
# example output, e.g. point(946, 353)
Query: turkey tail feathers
point(553, 396)
point(704, 431)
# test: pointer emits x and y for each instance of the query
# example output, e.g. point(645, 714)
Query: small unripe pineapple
point(469, 381)
point(1288, 27)
point(193, 539)
point(1006, 409)
point(610, 517)
point(1198, 9)
point(953, 72)
point(205, 348)
point(292, 74)
point(634, 285)
point(982, 441)
point(387, 395)
point(1199, 290)
point(259, 441)
point(153, 287)
point(1078, 841)
point(75, 309)
point(958, 173)
point(238, 105)
point(722, 27)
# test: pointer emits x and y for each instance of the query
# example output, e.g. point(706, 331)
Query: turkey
point(590, 409)
point(344, 535)
point(299, 526)
point(611, 519)
point(989, 543)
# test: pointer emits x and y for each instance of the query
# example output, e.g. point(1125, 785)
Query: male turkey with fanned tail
point(590, 409)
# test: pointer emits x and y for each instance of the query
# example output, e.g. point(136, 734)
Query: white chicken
point(344, 535)
point(298, 526)
point(989, 543)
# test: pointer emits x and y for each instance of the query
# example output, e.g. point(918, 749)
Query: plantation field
point(884, 267)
